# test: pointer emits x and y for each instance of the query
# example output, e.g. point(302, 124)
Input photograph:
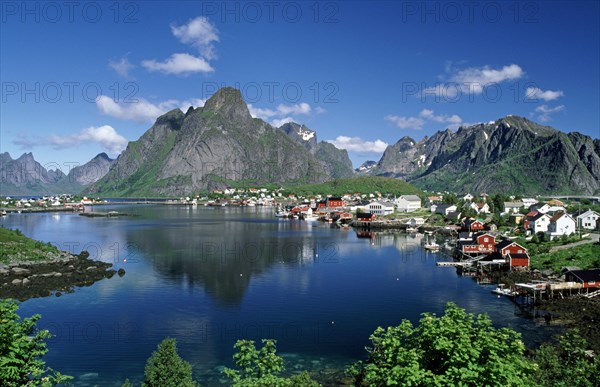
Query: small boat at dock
point(502, 291)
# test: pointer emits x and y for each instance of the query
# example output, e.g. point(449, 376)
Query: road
point(595, 238)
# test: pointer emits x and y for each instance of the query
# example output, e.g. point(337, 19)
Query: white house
point(542, 208)
point(481, 208)
point(537, 223)
point(415, 221)
point(380, 208)
point(528, 202)
point(408, 203)
point(512, 207)
point(588, 220)
point(561, 224)
point(443, 209)
point(468, 197)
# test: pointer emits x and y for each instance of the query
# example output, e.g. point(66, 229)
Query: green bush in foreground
point(258, 368)
point(166, 369)
point(567, 363)
point(457, 348)
point(22, 346)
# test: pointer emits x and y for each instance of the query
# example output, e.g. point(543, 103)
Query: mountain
point(206, 148)
point(511, 154)
point(334, 160)
point(92, 171)
point(25, 176)
point(366, 168)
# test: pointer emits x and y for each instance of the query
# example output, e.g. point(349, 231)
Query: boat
point(431, 246)
point(502, 291)
point(282, 214)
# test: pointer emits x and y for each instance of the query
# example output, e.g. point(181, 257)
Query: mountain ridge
point(204, 149)
point(510, 154)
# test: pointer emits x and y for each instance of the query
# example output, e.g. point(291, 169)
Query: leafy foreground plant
point(457, 348)
point(567, 363)
point(22, 346)
point(165, 368)
point(259, 368)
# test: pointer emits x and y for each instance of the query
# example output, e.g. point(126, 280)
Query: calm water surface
point(210, 276)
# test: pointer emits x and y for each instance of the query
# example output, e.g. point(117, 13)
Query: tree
point(497, 202)
point(450, 198)
point(165, 368)
point(22, 346)
point(567, 363)
point(457, 348)
point(259, 368)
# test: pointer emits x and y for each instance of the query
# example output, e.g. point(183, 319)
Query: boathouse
point(588, 278)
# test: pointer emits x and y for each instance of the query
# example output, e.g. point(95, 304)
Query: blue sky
point(86, 77)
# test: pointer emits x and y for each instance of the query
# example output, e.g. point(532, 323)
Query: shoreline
point(58, 275)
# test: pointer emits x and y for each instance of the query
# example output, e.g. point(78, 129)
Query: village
point(481, 236)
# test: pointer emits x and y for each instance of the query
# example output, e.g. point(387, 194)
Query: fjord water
point(209, 276)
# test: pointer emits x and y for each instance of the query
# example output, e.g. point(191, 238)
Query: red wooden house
point(507, 246)
point(473, 225)
point(514, 253)
point(334, 202)
point(481, 243)
point(518, 260)
point(366, 217)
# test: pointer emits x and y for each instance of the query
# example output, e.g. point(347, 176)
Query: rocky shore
point(578, 312)
point(60, 274)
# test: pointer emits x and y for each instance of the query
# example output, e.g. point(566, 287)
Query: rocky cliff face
point(204, 149)
point(511, 154)
point(366, 168)
point(25, 176)
point(335, 161)
point(92, 171)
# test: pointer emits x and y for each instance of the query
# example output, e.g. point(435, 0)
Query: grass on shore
point(583, 256)
point(16, 247)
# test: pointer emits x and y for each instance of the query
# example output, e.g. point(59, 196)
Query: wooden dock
point(453, 264)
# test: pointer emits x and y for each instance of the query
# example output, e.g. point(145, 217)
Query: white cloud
point(544, 112)
point(121, 66)
point(283, 113)
point(546, 95)
point(428, 114)
point(143, 110)
point(473, 80)
point(359, 145)
point(195, 102)
point(105, 135)
point(280, 121)
point(301, 108)
point(406, 122)
point(264, 114)
point(200, 33)
point(180, 63)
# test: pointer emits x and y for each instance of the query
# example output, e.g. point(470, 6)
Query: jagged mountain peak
point(301, 130)
point(102, 155)
point(522, 123)
point(510, 154)
point(228, 102)
point(211, 147)
point(366, 167)
point(173, 118)
point(26, 157)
